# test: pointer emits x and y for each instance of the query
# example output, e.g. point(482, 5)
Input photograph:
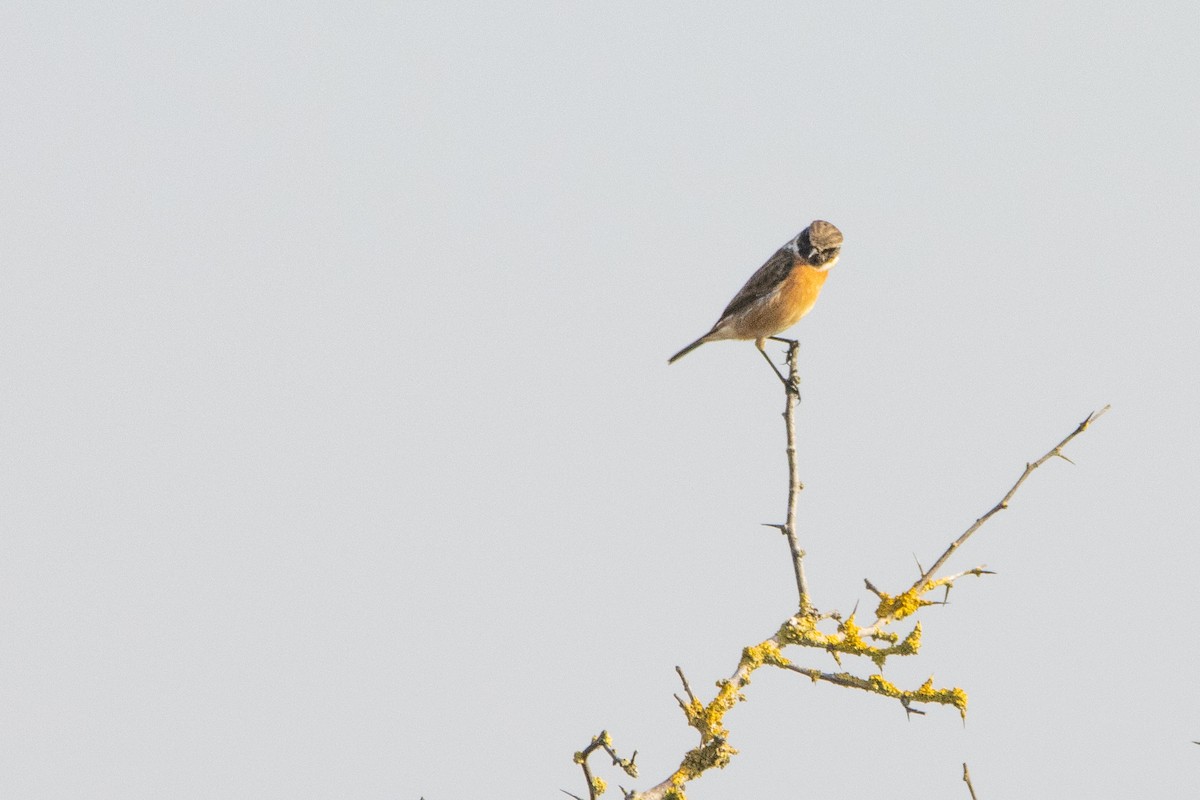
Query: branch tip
point(686, 687)
point(967, 780)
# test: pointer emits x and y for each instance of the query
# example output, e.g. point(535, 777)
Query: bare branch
point(1054, 452)
point(792, 390)
point(967, 781)
point(686, 688)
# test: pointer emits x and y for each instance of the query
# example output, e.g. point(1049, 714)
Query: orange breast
point(784, 307)
point(800, 292)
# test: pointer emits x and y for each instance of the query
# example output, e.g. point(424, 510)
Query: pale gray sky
point(340, 454)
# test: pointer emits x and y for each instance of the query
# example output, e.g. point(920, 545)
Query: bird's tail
point(688, 349)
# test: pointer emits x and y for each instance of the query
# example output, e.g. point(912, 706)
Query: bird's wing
point(761, 283)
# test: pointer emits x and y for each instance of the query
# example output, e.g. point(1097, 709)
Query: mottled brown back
point(761, 283)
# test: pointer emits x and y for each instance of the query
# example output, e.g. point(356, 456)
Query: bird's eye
point(826, 255)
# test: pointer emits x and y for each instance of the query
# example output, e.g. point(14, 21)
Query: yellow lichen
point(848, 640)
point(850, 635)
point(902, 605)
point(911, 643)
point(766, 653)
point(802, 630)
point(715, 753)
point(952, 697)
point(708, 720)
point(880, 685)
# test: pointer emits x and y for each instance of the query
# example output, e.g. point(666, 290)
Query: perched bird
point(782, 291)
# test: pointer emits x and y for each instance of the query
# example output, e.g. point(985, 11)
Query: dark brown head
point(819, 244)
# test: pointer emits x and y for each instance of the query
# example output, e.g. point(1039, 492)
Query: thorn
point(909, 710)
point(564, 791)
point(782, 528)
point(919, 567)
point(1064, 458)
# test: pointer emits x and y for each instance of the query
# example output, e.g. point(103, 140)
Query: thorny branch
point(794, 485)
point(874, 642)
point(1054, 452)
point(894, 608)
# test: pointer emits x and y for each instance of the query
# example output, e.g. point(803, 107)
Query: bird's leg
point(787, 385)
point(782, 379)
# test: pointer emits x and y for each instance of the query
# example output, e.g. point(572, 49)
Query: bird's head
point(819, 244)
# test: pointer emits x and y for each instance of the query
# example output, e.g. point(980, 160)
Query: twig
point(686, 688)
point(794, 485)
point(587, 770)
point(967, 781)
point(596, 786)
point(1055, 451)
point(877, 685)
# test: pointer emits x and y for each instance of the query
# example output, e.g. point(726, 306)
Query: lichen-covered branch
point(597, 786)
point(808, 627)
point(714, 750)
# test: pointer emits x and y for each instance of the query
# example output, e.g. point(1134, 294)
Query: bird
point(781, 292)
